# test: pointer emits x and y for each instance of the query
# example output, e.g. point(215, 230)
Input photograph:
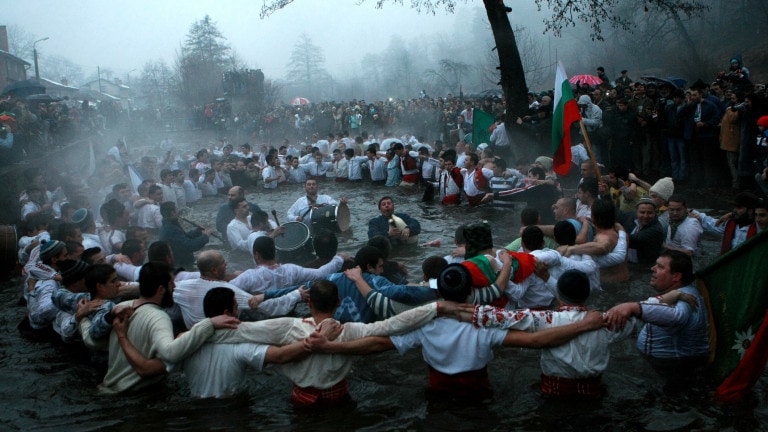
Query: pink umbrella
point(299, 101)
point(585, 80)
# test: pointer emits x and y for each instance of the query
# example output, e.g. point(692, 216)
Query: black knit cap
point(573, 287)
point(454, 282)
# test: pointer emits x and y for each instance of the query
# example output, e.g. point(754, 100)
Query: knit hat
point(545, 162)
point(72, 271)
point(573, 287)
point(763, 121)
point(663, 188)
point(79, 215)
point(49, 249)
point(482, 146)
point(645, 200)
point(478, 237)
point(454, 278)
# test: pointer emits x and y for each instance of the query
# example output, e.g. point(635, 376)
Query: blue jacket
point(380, 225)
point(353, 307)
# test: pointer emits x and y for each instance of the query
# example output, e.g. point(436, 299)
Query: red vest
point(730, 230)
point(481, 183)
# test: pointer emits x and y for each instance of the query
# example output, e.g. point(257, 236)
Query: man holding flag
point(566, 112)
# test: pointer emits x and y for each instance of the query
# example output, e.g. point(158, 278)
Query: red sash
point(457, 177)
point(559, 386)
point(730, 230)
point(306, 396)
point(410, 169)
point(471, 384)
point(481, 183)
point(453, 199)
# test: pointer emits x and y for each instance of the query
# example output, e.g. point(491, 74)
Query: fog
point(123, 37)
point(363, 47)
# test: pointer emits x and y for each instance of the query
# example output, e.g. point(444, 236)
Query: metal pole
point(37, 72)
point(34, 53)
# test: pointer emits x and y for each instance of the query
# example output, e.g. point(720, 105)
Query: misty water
point(53, 387)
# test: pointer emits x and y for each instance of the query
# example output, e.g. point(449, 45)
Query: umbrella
point(10, 121)
point(42, 98)
point(659, 81)
point(585, 80)
point(23, 88)
point(679, 82)
point(299, 101)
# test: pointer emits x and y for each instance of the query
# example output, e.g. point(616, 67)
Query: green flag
point(481, 122)
point(736, 285)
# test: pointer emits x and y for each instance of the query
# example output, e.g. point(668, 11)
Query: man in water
point(151, 331)
point(398, 227)
point(300, 210)
point(676, 339)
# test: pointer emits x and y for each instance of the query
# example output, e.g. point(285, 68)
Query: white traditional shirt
point(189, 295)
point(237, 234)
point(262, 278)
point(301, 208)
point(321, 371)
point(687, 236)
point(450, 346)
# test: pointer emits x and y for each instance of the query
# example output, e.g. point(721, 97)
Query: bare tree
point(20, 42)
point(449, 77)
point(156, 82)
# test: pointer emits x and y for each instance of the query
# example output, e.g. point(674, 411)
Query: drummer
point(301, 209)
point(398, 227)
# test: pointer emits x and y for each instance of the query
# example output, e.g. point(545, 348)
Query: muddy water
point(47, 387)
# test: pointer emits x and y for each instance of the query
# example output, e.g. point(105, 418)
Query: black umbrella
point(24, 88)
point(659, 81)
point(41, 98)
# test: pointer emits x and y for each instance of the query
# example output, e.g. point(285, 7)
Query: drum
point(8, 251)
point(333, 218)
point(295, 236)
point(293, 246)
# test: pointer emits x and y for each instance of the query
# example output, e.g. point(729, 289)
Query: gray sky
point(122, 35)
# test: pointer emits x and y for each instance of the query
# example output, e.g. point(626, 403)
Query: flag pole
point(589, 150)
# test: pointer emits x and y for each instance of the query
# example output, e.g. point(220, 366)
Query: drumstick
point(197, 225)
point(274, 215)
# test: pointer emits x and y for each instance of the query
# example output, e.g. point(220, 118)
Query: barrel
point(8, 251)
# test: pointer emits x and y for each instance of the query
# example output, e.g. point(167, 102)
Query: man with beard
point(151, 331)
point(301, 210)
point(226, 212)
point(183, 243)
point(740, 225)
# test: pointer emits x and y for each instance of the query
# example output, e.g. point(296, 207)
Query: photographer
point(6, 145)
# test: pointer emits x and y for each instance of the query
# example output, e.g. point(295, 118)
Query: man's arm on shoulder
point(600, 246)
point(143, 366)
point(287, 353)
point(554, 336)
point(366, 345)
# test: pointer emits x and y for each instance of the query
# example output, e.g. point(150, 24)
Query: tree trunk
point(512, 75)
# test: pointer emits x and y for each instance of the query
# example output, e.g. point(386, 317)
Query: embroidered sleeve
point(493, 317)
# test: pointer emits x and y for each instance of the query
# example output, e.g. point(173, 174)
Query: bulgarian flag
point(566, 112)
point(483, 275)
point(736, 287)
